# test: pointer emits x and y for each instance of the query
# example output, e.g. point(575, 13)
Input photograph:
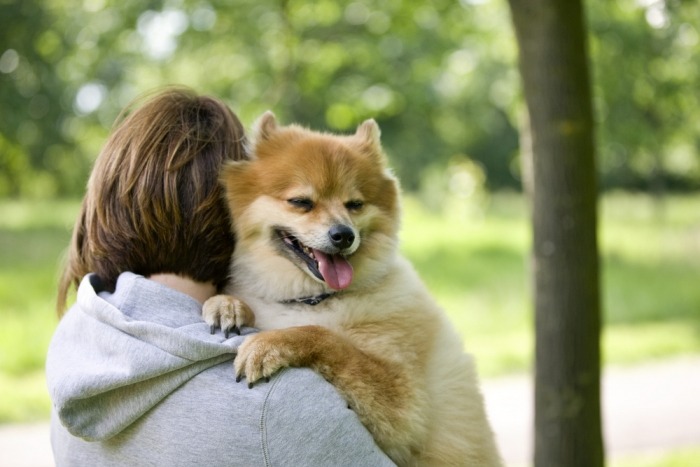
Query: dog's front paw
point(265, 353)
point(228, 313)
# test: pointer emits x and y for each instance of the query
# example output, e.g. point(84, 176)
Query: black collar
point(313, 301)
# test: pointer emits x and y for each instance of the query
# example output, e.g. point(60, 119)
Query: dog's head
point(311, 208)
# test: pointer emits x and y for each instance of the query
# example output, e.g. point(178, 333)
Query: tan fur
point(382, 341)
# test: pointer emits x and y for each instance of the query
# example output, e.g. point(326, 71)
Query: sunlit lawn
point(680, 458)
point(477, 267)
point(479, 270)
point(32, 236)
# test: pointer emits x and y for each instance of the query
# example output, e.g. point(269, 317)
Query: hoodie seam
point(264, 444)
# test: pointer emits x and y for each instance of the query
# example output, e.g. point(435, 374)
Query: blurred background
point(441, 79)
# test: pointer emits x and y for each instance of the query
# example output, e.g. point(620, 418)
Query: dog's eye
point(354, 205)
point(303, 203)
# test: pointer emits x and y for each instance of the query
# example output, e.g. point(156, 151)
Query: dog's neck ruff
point(313, 301)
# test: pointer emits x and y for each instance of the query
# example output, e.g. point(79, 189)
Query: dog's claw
point(212, 329)
point(250, 385)
point(232, 330)
point(239, 378)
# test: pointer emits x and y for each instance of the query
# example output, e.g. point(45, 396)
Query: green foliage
point(440, 77)
point(646, 73)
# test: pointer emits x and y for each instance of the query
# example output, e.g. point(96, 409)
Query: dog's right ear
point(264, 127)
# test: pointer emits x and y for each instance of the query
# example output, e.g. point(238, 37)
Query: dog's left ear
point(368, 134)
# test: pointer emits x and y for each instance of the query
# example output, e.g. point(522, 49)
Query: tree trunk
point(554, 66)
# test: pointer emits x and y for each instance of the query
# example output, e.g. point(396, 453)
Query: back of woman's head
point(153, 202)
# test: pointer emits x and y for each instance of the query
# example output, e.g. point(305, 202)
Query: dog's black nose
point(341, 236)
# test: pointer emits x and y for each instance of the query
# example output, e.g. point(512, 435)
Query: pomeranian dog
point(316, 222)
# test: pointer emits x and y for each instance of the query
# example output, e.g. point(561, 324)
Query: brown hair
point(153, 202)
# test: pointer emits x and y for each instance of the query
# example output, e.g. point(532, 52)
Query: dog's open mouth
point(334, 269)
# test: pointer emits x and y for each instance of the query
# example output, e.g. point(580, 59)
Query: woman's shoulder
point(297, 418)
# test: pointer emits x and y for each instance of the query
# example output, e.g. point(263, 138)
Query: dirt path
point(654, 407)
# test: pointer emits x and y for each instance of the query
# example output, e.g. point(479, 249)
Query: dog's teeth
point(291, 241)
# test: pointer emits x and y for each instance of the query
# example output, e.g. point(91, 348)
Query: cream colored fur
point(382, 341)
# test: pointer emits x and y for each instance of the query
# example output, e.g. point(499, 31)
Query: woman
point(135, 375)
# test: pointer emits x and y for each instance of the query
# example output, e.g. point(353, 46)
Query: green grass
point(33, 235)
point(477, 267)
point(475, 261)
point(680, 458)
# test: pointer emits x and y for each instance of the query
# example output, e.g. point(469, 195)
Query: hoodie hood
point(115, 356)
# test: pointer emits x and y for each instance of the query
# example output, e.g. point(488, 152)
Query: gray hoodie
point(136, 378)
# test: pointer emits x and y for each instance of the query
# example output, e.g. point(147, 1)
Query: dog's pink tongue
point(335, 269)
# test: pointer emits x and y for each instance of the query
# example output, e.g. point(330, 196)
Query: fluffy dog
point(316, 221)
